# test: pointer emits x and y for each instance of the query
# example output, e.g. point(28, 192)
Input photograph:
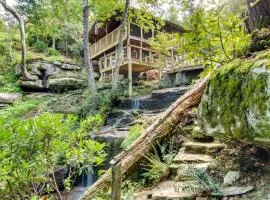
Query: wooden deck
point(105, 43)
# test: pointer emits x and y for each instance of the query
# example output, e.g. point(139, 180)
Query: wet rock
point(231, 177)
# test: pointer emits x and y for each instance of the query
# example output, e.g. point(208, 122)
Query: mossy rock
point(236, 103)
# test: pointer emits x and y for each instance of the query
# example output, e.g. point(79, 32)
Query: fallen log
point(175, 114)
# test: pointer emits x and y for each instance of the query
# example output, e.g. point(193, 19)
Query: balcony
point(143, 59)
point(105, 43)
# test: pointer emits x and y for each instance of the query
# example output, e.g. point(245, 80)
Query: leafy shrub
point(133, 134)
point(52, 52)
point(31, 150)
point(40, 46)
point(103, 101)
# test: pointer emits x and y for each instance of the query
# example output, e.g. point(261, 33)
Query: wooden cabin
point(137, 54)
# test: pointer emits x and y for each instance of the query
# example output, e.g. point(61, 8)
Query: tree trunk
point(24, 71)
point(119, 54)
point(177, 113)
point(53, 41)
point(88, 64)
point(258, 14)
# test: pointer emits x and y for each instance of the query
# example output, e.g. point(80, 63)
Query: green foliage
point(133, 134)
point(129, 188)
point(18, 109)
point(52, 52)
point(40, 46)
point(214, 36)
point(31, 150)
point(164, 43)
point(157, 166)
point(103, 101)
point(155, 169)
point(204, 182)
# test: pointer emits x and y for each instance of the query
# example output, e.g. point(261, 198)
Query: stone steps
point(169, 190)
point(181, 171)
point(203, 148)
point(192, 158)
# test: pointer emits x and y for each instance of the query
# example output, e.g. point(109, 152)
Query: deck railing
point(147, 57)
point(105, 43)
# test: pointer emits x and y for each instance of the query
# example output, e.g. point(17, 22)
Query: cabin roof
point(97, 33)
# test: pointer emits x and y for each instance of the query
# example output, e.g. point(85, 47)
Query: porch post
point(129, 71)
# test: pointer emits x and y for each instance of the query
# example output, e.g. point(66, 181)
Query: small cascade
point(135, 104)
point(88, 177)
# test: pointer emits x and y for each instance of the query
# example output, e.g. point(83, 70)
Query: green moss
point(234, 91)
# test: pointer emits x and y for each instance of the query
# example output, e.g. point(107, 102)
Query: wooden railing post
point(116, 180)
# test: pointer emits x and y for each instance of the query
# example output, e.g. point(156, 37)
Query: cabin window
point(135, 30)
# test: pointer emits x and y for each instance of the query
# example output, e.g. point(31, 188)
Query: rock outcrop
point(236, 103)
point(7, 99)
point(54, 76)
point(181, 77)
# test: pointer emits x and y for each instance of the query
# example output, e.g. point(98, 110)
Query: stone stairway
point(199, 155)
point(157, 100)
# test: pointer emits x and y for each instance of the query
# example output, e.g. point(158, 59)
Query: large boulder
point(54, 76)
point(236, 103)
point(62, 84)
point(10, 98)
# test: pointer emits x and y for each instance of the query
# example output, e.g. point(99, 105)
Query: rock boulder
point(10, 98)
point(54, 76)
point(236, 103)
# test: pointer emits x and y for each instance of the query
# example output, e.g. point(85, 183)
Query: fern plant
point(204, 182)
point(157, 167)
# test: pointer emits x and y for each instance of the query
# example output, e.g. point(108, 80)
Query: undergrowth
point(20, 108)
point(204, 182)
point(133, 134)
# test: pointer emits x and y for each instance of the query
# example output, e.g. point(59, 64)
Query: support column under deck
point(130, 79)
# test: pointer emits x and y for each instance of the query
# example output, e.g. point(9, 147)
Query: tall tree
point(258, 14)
point(119, 54)
point(88, 64)
point(24, 71)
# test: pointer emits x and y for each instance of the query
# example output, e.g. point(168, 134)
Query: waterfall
point(88, 176)
point(135, 104)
